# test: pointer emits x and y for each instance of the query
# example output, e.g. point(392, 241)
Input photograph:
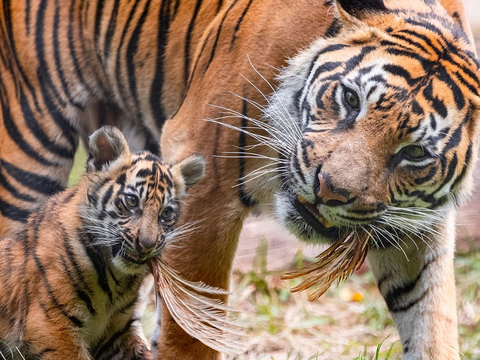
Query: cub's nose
point(144, 246)
point(327, 196)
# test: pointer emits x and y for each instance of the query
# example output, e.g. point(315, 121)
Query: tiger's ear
point(354, 13)
point(187, 172)
point(107, 147)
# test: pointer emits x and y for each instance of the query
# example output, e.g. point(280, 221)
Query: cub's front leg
point(56, 338)
point(420, 293)
point(125, 345)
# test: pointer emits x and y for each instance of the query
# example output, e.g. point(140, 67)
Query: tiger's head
point(133, 200)
point(377, 126)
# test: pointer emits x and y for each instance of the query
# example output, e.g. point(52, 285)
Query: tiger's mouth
point(128, 255)
point(312, 216)
point(134, 258)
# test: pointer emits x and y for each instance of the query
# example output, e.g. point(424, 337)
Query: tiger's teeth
point(328, 224)
point(301, 200)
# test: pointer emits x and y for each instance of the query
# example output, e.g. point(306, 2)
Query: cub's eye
point(168, 214)
point(131, 201)
point(352, 99)
point(414, 152)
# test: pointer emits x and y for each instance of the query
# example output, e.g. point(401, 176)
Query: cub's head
point(377, 126)
point(133, 199)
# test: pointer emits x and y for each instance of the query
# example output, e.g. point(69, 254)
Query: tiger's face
point(133, 200)
point(383, 128)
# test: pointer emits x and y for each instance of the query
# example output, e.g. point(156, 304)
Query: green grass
point(78, 166)
point(350, 321)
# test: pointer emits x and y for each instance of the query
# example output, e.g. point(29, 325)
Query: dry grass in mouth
point(338, 262)
point(201, 317)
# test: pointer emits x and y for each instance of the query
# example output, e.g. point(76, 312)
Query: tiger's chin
point(303, 223)
point(128, 262)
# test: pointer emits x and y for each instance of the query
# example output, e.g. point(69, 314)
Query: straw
point(336, 263)
point(199, 316)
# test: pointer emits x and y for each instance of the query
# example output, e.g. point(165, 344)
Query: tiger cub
point(70, 279)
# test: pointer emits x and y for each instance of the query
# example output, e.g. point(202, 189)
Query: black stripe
point(43, 74)
point(108, 345)
point(450, 173)
point(334, 28)
point(159, 78)
point(193, 73)
point(188, 39)
point(468, 157)
point(28, 10)
point(458, 97)
point(13, 213)
point(239, 23)
point(98, 20)
point(82, 295)
point(12, 190)
point(219, 5)
point(60, 307)
point(58, 62)
point(410, 42)
point(408, 306)
point(46, 83)
point(39, 134)
point(425, 39)
point(71, 47)
point(76, 266)
point(454, 140)
point(99, 264)
point(38, 183)
point(437, 104)
point(245, 199)
point(131, 52)
point(397, 292)
point(401, 72)
point(217, 37)
point(428, 177)
point(111, 30)
point(17, 137)
point(118, 63)
point(106, 197)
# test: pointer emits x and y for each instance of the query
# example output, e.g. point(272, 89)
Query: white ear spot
point(105, 146)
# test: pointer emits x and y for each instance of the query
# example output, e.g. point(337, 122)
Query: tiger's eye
point(414, 152)
point(168, 214)
point(131, 201)
point(352, 99)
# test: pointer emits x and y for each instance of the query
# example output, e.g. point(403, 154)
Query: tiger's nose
point(327, 196)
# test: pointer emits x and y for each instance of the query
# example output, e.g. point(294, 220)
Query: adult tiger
point(68, 66)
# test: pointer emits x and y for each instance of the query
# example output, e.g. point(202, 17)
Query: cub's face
point(134, 202)
point(383, 126)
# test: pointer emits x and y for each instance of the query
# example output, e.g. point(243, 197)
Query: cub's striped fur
point(70, 279)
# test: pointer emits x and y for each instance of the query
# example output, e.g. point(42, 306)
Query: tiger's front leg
point(419, 289)
point(129, 346)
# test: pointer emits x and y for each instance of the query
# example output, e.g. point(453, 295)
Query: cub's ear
point(187, 172)
point(356, 12)
point(107, 147)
